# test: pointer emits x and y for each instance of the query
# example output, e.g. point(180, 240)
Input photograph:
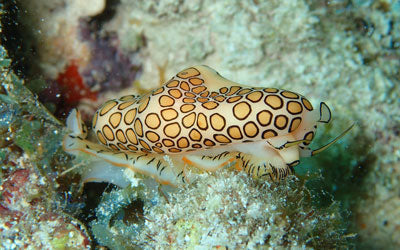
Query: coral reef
point(345, 53)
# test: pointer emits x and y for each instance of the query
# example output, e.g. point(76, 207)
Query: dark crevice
point(96, 22)
point(93, 192)
point(17, 38)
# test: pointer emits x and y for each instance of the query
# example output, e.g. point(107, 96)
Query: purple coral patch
point(109, 67)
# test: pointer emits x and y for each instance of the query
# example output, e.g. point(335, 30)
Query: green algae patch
point(4, 61)
point(26, 123)
point(29, 125)
point(24, 138)
point(2, 155)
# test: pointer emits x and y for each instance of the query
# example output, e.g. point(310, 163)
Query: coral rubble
point(233, 211)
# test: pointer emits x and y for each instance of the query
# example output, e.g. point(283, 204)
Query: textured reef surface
point(58, 55)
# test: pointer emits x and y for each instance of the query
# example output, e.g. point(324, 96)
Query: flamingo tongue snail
point(200, 120)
